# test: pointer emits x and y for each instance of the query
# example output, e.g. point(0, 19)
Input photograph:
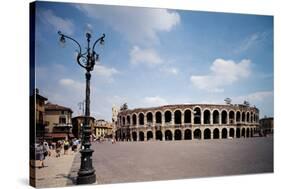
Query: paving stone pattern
point(166, 160)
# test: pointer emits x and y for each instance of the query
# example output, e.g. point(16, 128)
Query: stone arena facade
point(187, 122)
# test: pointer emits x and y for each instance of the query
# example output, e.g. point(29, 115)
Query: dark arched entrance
point(216, 133)
point(224, 133)
point(206, 117)
point(252, 133)
point(168, 117)
point(177, 117)
point(158, 117)
point(216, 117)
point(123, 136)
point(187, 134)
point(159, 135)
point(243, 132)
point(177, 134)
point(197, 134)
point(134, 135)
point(149, 135)
point(141, 136)
point(197, 116)
point(207, 134)
point(168, 135)
point(248, 132)
point(231, 132)
point(238, 133)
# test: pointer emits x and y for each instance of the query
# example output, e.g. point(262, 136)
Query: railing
point(62, 125)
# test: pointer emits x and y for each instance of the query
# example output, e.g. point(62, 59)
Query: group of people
point(43, 149)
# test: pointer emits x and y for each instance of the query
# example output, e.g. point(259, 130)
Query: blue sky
point(154, 57)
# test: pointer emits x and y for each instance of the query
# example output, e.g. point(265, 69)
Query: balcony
point(62, 125)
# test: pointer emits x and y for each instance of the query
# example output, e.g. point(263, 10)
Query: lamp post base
point(86, 179)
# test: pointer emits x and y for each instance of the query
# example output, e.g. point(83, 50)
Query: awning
point(58, 135)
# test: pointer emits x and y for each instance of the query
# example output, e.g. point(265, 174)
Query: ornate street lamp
point(87, 60)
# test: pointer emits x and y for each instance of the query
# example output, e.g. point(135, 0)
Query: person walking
point(58, 148)
point(40, 154)
point(66, 147)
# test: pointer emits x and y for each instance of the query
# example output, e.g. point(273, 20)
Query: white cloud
point(144, 56)
point(256, 96)
point(223, 73)
point(138, 25)
point(105, 72)
point(251, 41)
point(71, 84)
point(58, 23)
point(170, 70)
point(154, 101)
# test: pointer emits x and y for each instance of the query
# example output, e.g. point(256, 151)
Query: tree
point(228, 100)
point(124, 107)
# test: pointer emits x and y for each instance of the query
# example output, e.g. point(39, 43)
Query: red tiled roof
point(50, 106)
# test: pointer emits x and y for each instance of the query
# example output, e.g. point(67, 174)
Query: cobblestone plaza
point(164, 160)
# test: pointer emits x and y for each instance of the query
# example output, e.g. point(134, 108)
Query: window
point(62, 120)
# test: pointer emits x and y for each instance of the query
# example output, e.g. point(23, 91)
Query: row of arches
point(195, 116)
point(189, 134)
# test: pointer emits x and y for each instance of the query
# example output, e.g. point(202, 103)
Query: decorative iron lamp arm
point(101, 40)
point(80, 55)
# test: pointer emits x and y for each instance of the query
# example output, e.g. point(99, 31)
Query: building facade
point(115, 112)
point(58, 122)
point(187, 122)
point(103, 129)
point(266, 126)
point(78, 122)
point(40, 116)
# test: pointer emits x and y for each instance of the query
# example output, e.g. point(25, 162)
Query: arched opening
point(243, 132)
point(134, 135)
point(123, 121)
point(128, 120)
point(123, 136)
point(134, 119)
point(187, 134)
point(231, 132)
point(231, 117)
point(177, 117)
point(216, 117)
point(206, 117)
point(149, 117)
point(141, 119)
point(238, 117)
point(158, 117)
point(207, 134)
point(238, 133)
point(216, 133)
point(149, 135)
point(159, 135)
point(168, 135)
point(224, 133)
point(224, 117)
point(187, 116)
point(197, 134)
point(252, 132)
point(197, 116)
point(168, 117)
point(252, 117)
point(243, 116)
point(141, 136)
point(248, 132)
point(177, 134)
point(248, 117)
